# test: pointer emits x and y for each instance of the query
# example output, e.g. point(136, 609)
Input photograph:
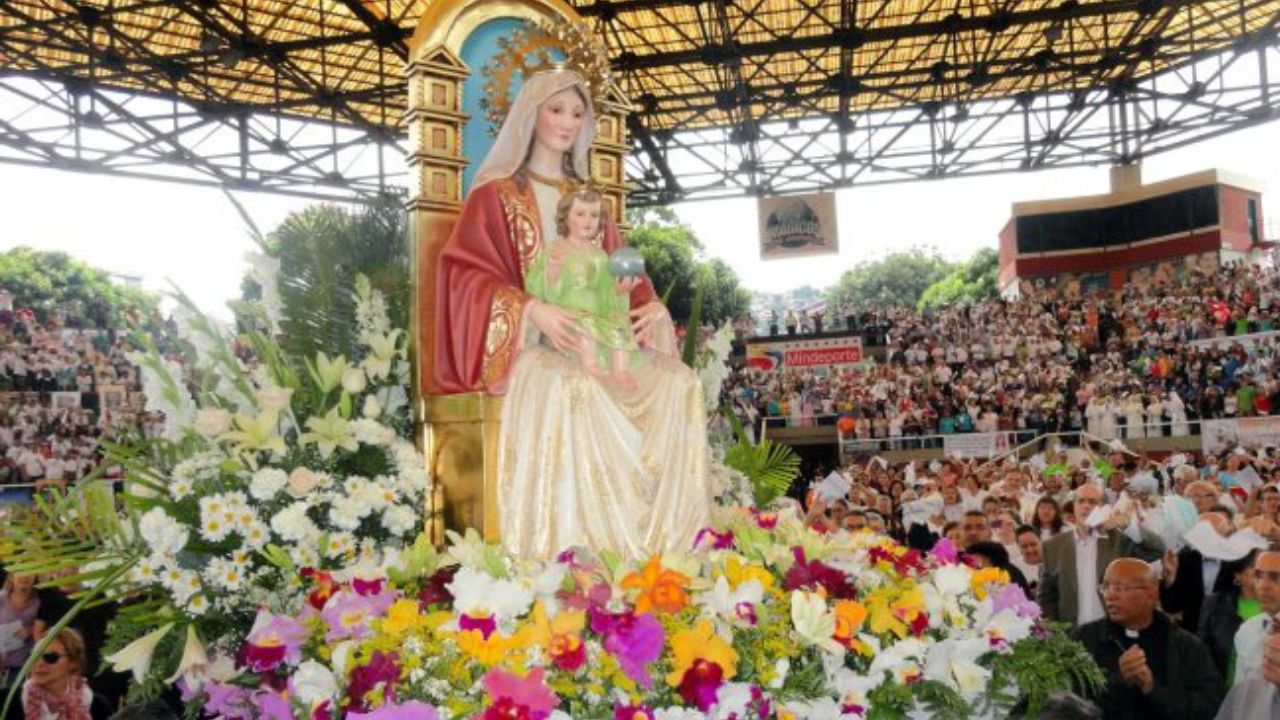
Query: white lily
point(329, 372)
point(382, 350)
point(194, 656)
point(136, 656)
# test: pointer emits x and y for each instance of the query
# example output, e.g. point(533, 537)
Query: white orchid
point(735, 605)
point(814, 622)
point(313, 683)
point(479, 594)
point(955, 663)
point(136, 656)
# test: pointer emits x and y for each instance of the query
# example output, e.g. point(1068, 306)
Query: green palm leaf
point(771, 467)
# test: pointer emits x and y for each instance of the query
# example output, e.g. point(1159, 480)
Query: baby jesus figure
point(574, 274)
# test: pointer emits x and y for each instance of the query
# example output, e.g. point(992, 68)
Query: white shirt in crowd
point(1087, 599)
point(1248, 645)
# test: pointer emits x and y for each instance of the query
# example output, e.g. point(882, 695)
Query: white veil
point(511, 147)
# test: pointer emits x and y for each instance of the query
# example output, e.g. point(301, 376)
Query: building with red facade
point(1135, 232)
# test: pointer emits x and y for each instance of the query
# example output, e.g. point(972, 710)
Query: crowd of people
point(62, 390)
point(1149, 360)
point(1167, 571)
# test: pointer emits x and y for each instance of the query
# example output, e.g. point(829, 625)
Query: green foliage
point(771, 467)
point(973, 280)
point(690, 352)
point(50, 281)
point(900, 278)
point(672, 255)
point(1037, 667)
point(321, 250)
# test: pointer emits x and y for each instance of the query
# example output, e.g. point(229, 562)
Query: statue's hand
point(559, 325)
point(646, 320)
point(626, 285)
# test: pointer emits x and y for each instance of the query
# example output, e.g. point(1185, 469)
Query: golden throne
point(460, 432)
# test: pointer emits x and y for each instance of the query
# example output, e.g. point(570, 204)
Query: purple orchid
point(635, 640)
point(944, 552)
point(1012, 597)
point(274, 639)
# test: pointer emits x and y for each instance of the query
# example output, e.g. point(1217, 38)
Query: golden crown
point(531, 49)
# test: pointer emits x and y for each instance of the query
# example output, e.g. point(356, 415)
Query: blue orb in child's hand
point(626, 262)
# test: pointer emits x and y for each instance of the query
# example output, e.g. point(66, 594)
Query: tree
point(49, 283)
point(672, 256)
point(973, 280)
point(899, 278)
point(321, 249)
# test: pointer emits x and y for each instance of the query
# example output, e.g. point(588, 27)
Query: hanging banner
point(1250, 433)
point(798, 226)
point(975, 445)
point(813, 354)
point(65, 400)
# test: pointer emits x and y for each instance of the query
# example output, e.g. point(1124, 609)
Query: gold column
point(609, 150)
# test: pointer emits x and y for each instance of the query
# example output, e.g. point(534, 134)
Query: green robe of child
point(584, 283)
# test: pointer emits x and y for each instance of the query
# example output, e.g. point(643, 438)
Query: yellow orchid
point(700, 643)
point(981, 578)
point(487, 651)
point(560, 637)
point(736, 572)
point(889, 614)
point(660, 589)
point(403, 616)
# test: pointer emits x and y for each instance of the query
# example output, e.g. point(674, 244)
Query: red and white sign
point(824, 353)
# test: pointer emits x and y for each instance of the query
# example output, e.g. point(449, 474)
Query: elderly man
point(1074, 561)
point(1257, 698)
point(1155, 669)
point(1248, 642)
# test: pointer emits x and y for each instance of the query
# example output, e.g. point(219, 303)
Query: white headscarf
point(511, 148)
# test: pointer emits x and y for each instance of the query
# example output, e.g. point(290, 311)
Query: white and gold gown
point(584, 462)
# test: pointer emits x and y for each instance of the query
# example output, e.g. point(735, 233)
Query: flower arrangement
point(763, 618)
point(270, 473)
point(269, 562)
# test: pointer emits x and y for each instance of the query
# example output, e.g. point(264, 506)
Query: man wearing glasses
point(1266, 574)
point(1074, 560)
point(1155, 669)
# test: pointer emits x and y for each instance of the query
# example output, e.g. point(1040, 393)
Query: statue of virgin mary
point(581, 461)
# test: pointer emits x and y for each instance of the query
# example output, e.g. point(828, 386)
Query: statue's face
point(560, 120)
point(583, 220)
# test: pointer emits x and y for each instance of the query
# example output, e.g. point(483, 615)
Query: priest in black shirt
point(1155, 670)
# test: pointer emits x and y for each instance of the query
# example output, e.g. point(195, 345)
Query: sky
point(194, 237)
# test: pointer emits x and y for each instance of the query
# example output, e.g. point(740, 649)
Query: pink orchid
point(522, 697)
